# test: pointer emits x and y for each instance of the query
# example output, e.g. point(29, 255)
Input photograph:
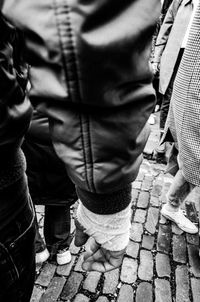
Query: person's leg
point(178, 191)
point(39, 242)
point(57, 222)
point(42, 254)
point(172, 163)
point(160, 150)
point(17, 257)
point(165, 108)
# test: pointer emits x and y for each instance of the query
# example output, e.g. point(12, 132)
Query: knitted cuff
point(106, 203)
point(110, 231)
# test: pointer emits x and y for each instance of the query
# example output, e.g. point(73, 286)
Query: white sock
point(110, 231)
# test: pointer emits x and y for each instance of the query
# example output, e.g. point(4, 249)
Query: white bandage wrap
point(110, 231)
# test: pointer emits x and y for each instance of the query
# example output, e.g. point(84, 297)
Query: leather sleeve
point(90, 74)
point(15, 110)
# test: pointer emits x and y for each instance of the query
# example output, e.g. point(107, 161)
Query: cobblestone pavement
point(161, 261)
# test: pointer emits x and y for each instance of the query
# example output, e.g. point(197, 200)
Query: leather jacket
point(15, 109)
point(90, 74)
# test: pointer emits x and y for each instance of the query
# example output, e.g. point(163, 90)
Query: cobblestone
point(194, 260)
point(195, 283)
point(157, 187)
point(164, 239)
point(147, 183)
point(162, 291)
point(136, 232)
point(46, 274)
point(143, 200)
point(144, 292)
point(152, 220)
point(81, 298)
point(71, 287)
point(191, 211)
point(37, 293)
point(102, 299)
point(111, 281)
point(54, 289)
point(137, 185)
point(182, 284)
point(145, 271)
point(193, 239)
point(129, 270)
point(148, 242)
point(91, 281)
point(132, 249)
point(154, 201)
point(179, 248)
point(125, 294)
point(163, 267)
point(140, 216)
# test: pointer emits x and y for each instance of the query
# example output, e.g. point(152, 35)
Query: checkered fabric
point(184, 113)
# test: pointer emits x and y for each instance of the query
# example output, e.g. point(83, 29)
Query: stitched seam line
point(74, 93)
point(71, 69)
point(61, 44)
point(91, 169)
point(84, 151)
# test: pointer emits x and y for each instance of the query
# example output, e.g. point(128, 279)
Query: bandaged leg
point(110, 231)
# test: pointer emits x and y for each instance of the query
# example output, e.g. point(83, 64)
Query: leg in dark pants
point(17, 257)
point(39, 242)
point(57, 228)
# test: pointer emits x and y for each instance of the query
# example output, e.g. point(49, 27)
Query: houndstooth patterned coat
point(184, 113)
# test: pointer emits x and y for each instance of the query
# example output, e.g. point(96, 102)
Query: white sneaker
point(63, 257)
point(152, 119)
point(178, 217)
point(42, 256)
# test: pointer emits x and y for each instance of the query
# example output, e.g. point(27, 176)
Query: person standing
point(182, 126)
point(17, 228)
point(169, 48)
point(50, 186)
point(164, 8)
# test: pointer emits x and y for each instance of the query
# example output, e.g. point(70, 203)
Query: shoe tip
point(63, 258)
point(42, 256)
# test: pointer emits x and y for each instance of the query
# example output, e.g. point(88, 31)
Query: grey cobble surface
point(161, 263)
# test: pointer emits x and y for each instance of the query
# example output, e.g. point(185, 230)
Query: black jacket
point(15, 109)
point(91, 76)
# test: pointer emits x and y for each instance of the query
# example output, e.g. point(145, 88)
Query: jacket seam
point(74, 91)
point(70, 47)
point(60, 41)
point(90, 155)
point(84, 151)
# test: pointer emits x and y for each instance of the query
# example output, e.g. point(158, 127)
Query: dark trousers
point(17, 257)
point(165, 105)
point(56, 229)
point(167, 96)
